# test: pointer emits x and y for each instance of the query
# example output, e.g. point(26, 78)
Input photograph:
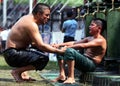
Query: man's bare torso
point(19, 37)
point(97, 52)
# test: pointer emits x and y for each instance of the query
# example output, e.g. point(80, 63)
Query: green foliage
point(70, 2)
point(21, 1)
point(76, 3)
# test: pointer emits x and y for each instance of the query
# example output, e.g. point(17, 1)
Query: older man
point(25, 33)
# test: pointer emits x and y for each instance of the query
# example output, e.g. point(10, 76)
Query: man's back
point(70, 27)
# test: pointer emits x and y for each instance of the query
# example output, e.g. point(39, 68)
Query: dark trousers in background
point(68, 38)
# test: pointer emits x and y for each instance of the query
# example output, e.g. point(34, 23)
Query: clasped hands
point(58, 46)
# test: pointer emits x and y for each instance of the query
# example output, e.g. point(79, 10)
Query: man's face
point(93, 28)
point(45, 16)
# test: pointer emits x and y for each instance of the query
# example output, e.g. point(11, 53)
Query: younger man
point(95, 48)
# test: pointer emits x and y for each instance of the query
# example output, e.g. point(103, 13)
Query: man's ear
point(100, 28)
point(38, 14)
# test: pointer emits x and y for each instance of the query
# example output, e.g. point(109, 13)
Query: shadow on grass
point(3, 64)
point(11, 82)
point(6, 80)
point(4, 67)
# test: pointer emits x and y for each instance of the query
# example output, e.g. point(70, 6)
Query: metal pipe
point(4, 12)
point(64, 5)
point(30, 5)
point(53, 3)
point(45, 1)
point(113, 8)
point(55, 8)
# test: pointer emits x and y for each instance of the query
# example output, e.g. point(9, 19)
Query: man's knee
point(45, 59)
point(41, 63)
point(69, 54)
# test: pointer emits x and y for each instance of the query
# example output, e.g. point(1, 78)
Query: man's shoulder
point(27, 21)
point(26, 18)
point(69, 22)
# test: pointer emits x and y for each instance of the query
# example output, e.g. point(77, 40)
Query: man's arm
point(93, 43)
point(62, 30)
point(63, 27)
point(82, 41)
point(69, 43)
point(36, 38)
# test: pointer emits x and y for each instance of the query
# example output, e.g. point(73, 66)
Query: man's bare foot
point(59, 79)
point(29, 79)
point(17, 76)
point(69, 81)
point(25, 75)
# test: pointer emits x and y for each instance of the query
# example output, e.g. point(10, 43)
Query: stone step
point(105, 80)
point(87, 78)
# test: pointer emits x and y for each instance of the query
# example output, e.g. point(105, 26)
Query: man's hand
point(55, 45)
point(63, 48)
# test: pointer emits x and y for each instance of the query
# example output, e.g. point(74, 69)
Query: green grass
point(7, 80)
point(3, 64)
point(52, 65)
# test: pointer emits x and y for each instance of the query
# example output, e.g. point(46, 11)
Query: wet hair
point(40, 7)
point(101, 22)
